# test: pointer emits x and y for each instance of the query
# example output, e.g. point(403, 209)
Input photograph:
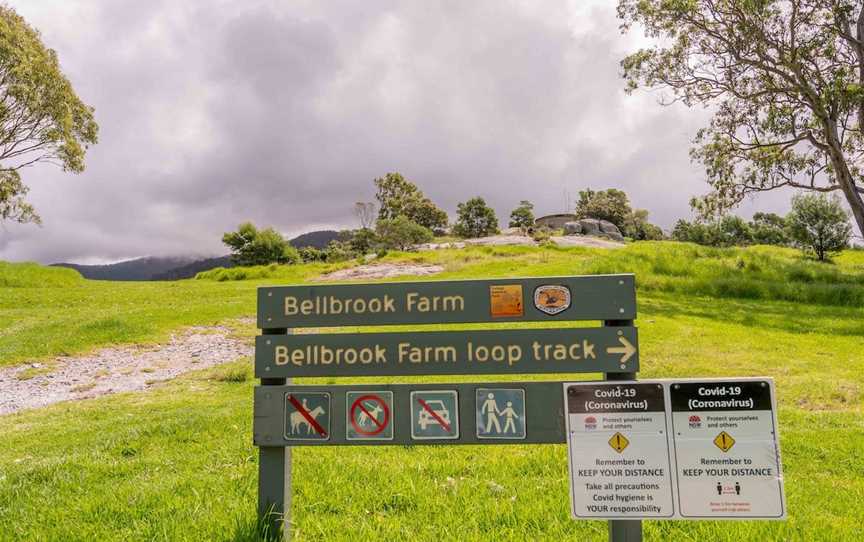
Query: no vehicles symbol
point(370, 415)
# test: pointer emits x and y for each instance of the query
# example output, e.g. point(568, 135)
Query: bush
point(819, 224)
point(251, 246)
point(401, 233)
point(522, 216)
point(637, 227)
point(312, 254)
point(610, 205)
point(769, 229)
point(475, 219)
point(339, 251)
point(397, 196)
point(363, 241)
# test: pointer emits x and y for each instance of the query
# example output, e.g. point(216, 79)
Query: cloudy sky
point(282, 112)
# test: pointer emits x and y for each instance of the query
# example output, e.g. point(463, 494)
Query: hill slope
point(176, 463)
point(138, 269)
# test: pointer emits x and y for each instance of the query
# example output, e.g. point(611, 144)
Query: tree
point(636, 226)
point(522, 216)
point(365, 212)
point(400, 233)
point(785, 79)
point(818, 223)
point(734, 231)
point(41, 117)
point(251, 246)
point(398, 196)
point(611, 205)
point(363, 241)
point(769, 229)
point(475, 219)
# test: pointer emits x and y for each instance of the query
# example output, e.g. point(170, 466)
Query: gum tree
point(784, 78)
point(41, 117)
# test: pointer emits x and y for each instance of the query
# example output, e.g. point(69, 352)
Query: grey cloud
point(283, 113)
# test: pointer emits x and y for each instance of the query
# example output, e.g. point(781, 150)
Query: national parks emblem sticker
point(552, 298)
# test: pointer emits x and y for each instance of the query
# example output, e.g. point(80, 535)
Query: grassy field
point(176, 463)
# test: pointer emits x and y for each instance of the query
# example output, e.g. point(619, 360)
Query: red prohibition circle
point(380, 427)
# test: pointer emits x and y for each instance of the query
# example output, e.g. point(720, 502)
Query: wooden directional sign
point(417, 414)
point(563, 350)
point(548, 299)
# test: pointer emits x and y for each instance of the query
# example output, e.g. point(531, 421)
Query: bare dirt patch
point(382, 271)
point(120, 369)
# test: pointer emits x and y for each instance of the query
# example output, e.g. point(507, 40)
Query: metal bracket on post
point(623, 530)
point(274, 477)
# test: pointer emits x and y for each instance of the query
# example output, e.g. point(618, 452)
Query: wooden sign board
point(499, 413)
point(522, 351)
point(546, 299)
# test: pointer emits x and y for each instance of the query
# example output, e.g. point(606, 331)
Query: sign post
point(622, 530)
point(417, 414)
point(274, 472)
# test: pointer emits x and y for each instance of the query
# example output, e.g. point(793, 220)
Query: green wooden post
point(623, 530)
point(274, 476)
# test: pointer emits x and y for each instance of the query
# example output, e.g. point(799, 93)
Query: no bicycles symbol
point(370, 416)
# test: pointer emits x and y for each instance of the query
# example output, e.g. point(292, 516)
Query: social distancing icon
point(369, 415)
point(500, 413)
point(434, 414)
point(307, 416)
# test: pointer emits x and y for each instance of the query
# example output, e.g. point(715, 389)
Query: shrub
point(401, 233)
point(475, 219)
point(522, 216)
point(363, 241)
point(251, 246)
point(819, 224)
point(611, 205)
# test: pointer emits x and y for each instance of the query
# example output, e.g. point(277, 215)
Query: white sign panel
point(618, 450)
point(728, 461)
point(683, 449)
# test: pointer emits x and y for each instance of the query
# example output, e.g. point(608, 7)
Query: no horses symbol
point(370, 416)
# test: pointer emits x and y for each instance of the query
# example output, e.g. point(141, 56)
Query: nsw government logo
point(695, 422)
point(552, 298)
point(590, 423)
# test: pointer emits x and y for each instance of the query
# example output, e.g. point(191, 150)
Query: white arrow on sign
point(626, 348)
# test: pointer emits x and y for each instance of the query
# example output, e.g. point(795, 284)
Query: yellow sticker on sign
point(618, 442)
point(506, 300)
point(724, 441)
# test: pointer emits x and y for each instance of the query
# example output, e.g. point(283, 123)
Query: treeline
point(817, 223)
point(403, 217)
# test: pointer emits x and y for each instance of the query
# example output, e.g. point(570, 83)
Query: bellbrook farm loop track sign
point(487, 413)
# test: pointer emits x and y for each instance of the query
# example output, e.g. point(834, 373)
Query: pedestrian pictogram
point(724, 441)
point(434, 414)
point(307, 416)
point(369, 415)
point(500, 413)
point(618, 442)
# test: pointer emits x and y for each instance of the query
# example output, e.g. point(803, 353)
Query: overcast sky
point(216, 112)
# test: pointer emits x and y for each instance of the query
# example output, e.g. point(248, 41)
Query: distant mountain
point(138, 269)
point(181, 267)
point(190, 270)
point(317, 239)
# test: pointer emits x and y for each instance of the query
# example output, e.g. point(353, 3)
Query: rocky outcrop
point(595, 227)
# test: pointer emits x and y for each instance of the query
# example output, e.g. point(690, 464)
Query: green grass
point(176, 463)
